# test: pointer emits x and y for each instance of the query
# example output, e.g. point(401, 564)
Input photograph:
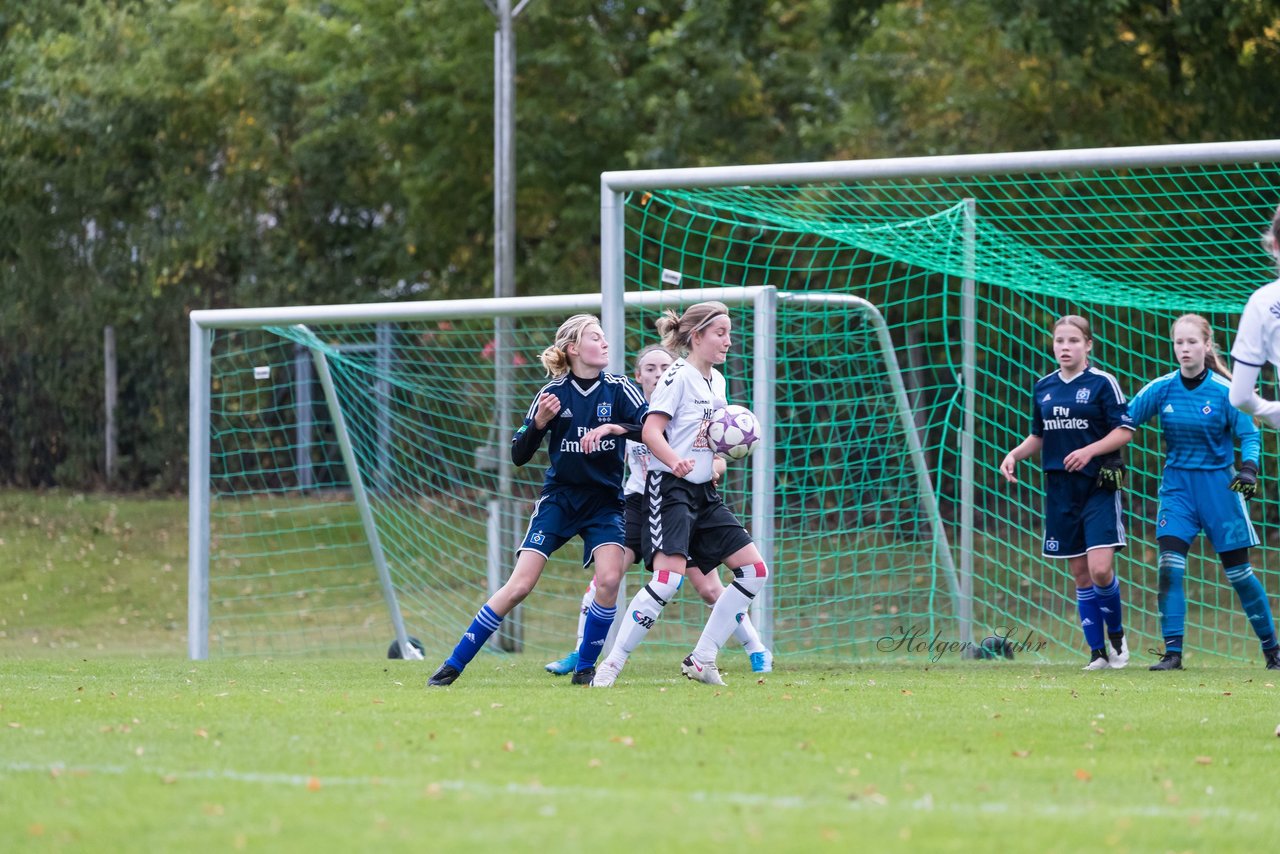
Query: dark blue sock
point(1090, 617)
point(1254, 601)
point(1109, 605)
point(1171, 598)
point(484, 625)
point(594, 632)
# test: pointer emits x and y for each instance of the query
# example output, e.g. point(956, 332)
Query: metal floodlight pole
point(504, 261)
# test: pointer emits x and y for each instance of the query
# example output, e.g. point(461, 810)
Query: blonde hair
point(677, 329)
point(1077, 321)
point(1271, 238)
point(556, 357)
point(1212, 358)
point(651, 348)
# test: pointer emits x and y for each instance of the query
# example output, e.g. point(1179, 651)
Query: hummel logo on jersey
point(1168, 407)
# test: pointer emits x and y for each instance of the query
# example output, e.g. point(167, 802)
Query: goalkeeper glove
point(1111, 477)
point(1246, 480)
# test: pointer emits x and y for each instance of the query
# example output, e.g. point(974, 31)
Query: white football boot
point(606, 674)
point(701, 671)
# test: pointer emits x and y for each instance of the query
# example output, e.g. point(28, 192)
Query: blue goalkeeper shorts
point(595, 515)
point(1192, 501)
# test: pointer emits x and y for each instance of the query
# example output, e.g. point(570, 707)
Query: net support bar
point(359, 495)
point(942, 546)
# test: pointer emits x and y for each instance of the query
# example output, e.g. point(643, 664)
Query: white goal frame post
point(762, 299)
point(614, 186)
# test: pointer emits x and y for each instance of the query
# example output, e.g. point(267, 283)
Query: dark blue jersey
point(1068, 415)
point(609, 399)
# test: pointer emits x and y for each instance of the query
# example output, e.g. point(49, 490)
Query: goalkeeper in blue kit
point(1201, 488)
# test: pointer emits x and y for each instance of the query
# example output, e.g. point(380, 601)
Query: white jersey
point(638, 457)
point(1258, 340)
point(689, 398)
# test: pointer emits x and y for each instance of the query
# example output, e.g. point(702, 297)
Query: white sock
point(587, 599)
point(730, 610)
point(747, 635)
point(643, 612)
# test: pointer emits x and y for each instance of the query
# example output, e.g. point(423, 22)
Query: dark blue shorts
point(1193, 501)
point(1079, 515)
point(558, 517)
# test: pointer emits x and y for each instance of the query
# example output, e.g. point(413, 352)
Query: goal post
point(396, 497)
point(970, 258)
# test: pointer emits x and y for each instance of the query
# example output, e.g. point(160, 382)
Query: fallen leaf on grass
point(1083, 775)
point(1021, 754)
point(313, 784)
point(1204, 760)
point(509, 746)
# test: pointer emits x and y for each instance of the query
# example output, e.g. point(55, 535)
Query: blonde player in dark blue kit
point(1201, 489)
point(582, 413)
point(1079, 421)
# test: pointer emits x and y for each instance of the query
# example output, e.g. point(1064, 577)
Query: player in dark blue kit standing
point(1079, 422)
point(584, 413)
point(1201, 490)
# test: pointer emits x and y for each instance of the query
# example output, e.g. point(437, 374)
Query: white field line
point(922, 804)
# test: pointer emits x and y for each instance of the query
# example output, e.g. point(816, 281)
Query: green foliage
point(164, 155)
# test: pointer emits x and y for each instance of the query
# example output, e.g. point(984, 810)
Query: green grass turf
point(322, 755)
point(111, 741)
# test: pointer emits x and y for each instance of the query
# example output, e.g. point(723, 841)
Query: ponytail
point(555, 359)
point(677, 330)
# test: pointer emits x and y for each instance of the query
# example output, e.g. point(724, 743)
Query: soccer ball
point(734, 432)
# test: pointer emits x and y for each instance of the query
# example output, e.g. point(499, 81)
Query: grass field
point(111, 741)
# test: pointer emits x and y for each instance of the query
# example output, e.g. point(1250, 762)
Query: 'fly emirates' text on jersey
point(609, 399)
point(1069, 414)
point(689, 398)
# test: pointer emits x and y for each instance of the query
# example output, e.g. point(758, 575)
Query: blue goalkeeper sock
point(1171, 599)
point(1090, 617)
point(1110, 606)
point(1254, 601)
point(594, 632)
point(481, 628)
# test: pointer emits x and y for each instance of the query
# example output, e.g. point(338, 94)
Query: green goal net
point(971, 259)
point(358, 471)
